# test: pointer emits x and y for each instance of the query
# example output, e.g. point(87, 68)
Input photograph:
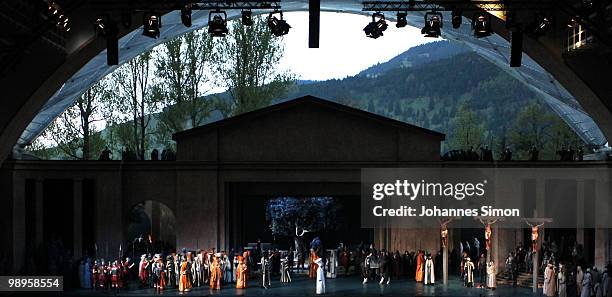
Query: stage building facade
point(303, 147)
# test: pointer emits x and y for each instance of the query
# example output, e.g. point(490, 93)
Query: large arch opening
point(151, 226)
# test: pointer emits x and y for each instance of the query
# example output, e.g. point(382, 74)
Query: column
point(445, 265)
point(18, 223)
point(580, 212)
point(78, 218)
point(39, 205)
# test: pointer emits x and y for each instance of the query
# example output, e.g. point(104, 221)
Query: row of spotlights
point(55, 12)
point(433, 23)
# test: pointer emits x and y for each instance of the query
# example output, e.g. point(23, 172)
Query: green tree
point(247, 67)
point(532, 126)
point(468, 130)
point(134, 102)
point(76, 131)
point(182, 65)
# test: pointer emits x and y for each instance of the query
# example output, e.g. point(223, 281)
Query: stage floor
point(343, 286)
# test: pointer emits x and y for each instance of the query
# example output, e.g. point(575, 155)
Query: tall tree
point(183, 66)
point(247, 67)
point(134, 101)
point(468, 130)
point(531, 127)
point(76, 131)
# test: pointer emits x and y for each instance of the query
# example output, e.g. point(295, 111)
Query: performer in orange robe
point(241, 273)
point(419, 266)
point(312, 267)
point(184, 282)
point(215, 273)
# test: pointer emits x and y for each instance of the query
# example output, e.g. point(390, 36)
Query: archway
point(151, 226)
point(132, 44)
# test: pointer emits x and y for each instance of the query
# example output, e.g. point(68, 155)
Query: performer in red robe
point(420, 266)
point(241, 273)
point(95, 272)
point(143, 271)
point(215, 273)
point(184, 282)
point(312, 266)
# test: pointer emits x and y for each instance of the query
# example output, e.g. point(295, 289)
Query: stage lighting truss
point(166, 5)
point(481, 24)
point(217, 23)
point(401, 20)
point(433, 25)
point(57, 15)
point(463, 5)
point(151, 24)
point(377, 26)
point(278, 27)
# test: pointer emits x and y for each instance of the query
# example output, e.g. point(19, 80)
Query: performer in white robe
point(468, 270)
point(320, 277)
point(285, 275)
point(430, 277)
point(491, 275)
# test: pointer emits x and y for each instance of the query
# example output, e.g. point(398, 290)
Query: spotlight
point(126, 20)
point(433, 24)
point(217, 23)
point(401, 20)
point(247, 18)
point(377, 26)
point(539, 26)
point(63, 23)
point(278, 27)
point(572, 23)
point(186, 15)
point(151, 25)
point(481, 24)
point(53, 8)
point(101, 25)
point(456, 19)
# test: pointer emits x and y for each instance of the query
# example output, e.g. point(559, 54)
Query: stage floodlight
point(217, 23)
point(572, 23)
point(433, 25)
point(278, 27)
point(101, 25)
point(481, 24)
point(377, 26)
point(247, 18)
point(186, 15)
point(539, 26)
point(456, 18)
point(151, 25)
point(401, 20)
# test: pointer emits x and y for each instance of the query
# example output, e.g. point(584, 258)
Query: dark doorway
point(151, 227)
point(58, 214)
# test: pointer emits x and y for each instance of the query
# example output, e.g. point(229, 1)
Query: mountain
point(417, 56)
point(428, 92)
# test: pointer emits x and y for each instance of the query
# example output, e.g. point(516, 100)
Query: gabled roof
point(305, 101)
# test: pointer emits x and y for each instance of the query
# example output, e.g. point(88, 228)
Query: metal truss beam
point(464, 5)
point(166, 5)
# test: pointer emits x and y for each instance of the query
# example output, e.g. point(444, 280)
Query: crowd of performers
point(257, 267)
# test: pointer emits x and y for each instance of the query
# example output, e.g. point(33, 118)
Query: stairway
point(524, 279)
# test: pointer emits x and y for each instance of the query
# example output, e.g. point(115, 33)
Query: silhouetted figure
point(486, 154)
point(562, 154)
point(507, 155)
point(571, 154)
point(154, 155)
point(534, 153)
point(124, 154)
point(580, 157)
point(472, 155)
point(164, 155)
point(105, 155)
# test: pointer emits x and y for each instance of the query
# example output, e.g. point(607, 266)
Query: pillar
point(601, 247)
point(580, 212)
point(78, 218)
point(39, 205)
point(445, 265)
point(19, 231)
